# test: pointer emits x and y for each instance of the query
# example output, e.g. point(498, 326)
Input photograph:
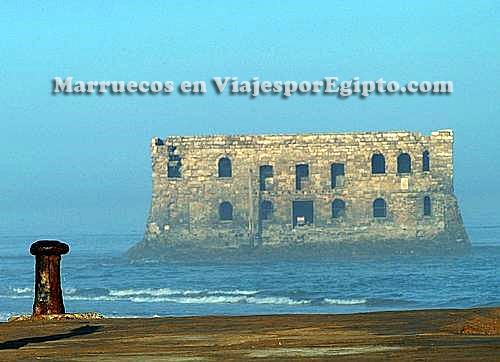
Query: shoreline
point(471, 334)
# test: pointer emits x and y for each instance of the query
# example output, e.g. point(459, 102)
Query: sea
point(97, 277)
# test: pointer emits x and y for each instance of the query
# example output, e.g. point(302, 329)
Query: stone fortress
point(272, 191)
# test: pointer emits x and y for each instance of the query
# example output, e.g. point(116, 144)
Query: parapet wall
point(188, 189)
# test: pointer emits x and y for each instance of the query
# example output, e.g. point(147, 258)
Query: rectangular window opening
point(301, 175)
point(174, 163)
point(302, 213)
point(337, 175)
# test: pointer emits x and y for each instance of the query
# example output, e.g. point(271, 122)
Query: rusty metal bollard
point(48, 293)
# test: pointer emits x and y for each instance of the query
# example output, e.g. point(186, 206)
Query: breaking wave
point(345, 301)
point(167, 291)
point(222, 300)
point(187, 296)
point(5, 316)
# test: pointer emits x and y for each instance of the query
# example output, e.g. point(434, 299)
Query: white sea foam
point(22, 290)
point(344, 301)
point(234, 292)
point(167, 292)
point(19, 293)
point(181, 299)
point(277, 300)
point(70, 290)
point(5, 316)
point(184, 296)
point(147, 291)
point(221, 299)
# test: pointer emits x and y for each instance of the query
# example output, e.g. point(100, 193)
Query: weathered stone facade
point(212, 191)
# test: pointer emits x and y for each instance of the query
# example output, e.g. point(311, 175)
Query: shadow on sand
point(18, 343)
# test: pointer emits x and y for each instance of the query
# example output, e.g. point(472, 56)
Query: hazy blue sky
point(81, 164)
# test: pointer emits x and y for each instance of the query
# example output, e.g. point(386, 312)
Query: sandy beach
point(472, 334)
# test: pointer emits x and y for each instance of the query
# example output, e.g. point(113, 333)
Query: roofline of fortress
point(449, 131)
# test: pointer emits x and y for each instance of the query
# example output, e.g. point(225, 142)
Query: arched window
point(427, 206)
point(379, 208)
point(404, 163)
point(225, 211)
point(426, 162)
point(338, 208)
point(378, 163)
point(266, 210)
point(225, 169)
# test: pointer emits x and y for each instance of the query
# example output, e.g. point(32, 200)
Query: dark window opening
point(265, 173)
point(379, 208)
point(303, 213)
point(174, 163)
point(404, 163)
point(426, 162)
point(338, 208)
point(337, 174)
point(378, 163)
point(301, 174)
point(427, 206)
point(266, 210)
point(225, 211)
point(225, 169)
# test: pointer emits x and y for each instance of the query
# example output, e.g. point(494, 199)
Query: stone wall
point(185, 206)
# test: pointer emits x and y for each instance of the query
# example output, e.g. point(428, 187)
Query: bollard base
point(57, 317)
